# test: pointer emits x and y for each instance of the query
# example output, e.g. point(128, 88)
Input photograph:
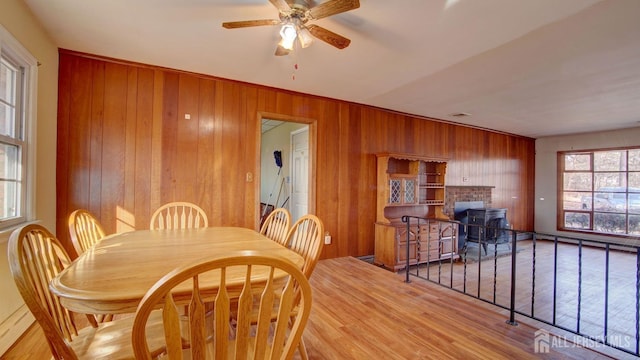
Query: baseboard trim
point(13, 327)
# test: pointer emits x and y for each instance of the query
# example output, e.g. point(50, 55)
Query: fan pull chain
point(294, 61)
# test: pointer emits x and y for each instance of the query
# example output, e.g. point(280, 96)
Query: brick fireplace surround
point(455, 194)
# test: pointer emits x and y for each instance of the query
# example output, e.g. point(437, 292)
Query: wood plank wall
point(125, 148)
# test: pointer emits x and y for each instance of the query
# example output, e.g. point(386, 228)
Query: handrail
point(604, 333)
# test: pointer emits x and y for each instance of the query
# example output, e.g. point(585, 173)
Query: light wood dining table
point(114, 275)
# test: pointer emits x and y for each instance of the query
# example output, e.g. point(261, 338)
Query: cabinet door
point(428, 243)
point(401, 246)
point(448, 240)
point(447, 246)
point(403, 190)
point(436, 240)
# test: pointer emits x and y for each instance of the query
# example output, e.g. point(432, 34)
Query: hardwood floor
point(32, 345)
point(361, 311)
point(364, 312)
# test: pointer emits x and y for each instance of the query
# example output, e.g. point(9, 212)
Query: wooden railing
point(585, 287)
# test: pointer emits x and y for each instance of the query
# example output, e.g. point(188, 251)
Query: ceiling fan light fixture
point(289, 34)
point(304, 36)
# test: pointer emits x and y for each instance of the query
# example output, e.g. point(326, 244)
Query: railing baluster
point(454, 236)
point(464, 274)
point(495, 269)
point(512, 305)
point(439, 250)
point(579, 285)
point(418, 246)
point(533, 276)
point(555, 279)
point(606, 293)
point(408, 221)
point(429, 247)
point(637, 301)
point(481, 235)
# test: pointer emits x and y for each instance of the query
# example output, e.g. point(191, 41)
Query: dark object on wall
point(278, 156)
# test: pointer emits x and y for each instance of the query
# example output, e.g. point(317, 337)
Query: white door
point(299, 173)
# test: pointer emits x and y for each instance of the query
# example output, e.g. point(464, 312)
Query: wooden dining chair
point(276, 226)
point(84, 229)
point(305, 238)
point(285, 289)
point(35, 257)
point(178, 215)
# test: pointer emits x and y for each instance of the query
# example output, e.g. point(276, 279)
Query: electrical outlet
point(327, 239)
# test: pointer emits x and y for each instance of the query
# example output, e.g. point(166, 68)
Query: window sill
point(5, 233)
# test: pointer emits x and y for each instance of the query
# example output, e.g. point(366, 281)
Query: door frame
point(313, 149)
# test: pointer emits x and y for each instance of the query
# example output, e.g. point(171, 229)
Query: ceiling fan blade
point(329, 37)
point(281, 5)
point(333, 7)
point(249, 23)
point(280, 51)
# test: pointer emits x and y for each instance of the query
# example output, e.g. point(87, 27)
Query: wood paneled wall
point(125, 148)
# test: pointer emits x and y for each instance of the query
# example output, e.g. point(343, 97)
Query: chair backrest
point(306, 238)
point(35, 258)
point(286, 291)
point(85, 230)
point(276, 226)
point(178, 215)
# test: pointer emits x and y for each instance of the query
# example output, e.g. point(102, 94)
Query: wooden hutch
point(411, 185)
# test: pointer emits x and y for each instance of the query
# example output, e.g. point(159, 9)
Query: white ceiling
point(268, 124)
point(529, 67)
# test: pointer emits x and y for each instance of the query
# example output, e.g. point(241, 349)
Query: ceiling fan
point(294, 15)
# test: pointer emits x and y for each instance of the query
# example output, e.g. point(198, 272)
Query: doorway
point(287, 166)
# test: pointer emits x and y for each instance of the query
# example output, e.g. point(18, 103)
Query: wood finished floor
point(361, 311)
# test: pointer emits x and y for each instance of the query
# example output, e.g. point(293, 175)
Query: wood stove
point(491, 224)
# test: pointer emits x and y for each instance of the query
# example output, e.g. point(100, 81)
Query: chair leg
point(303, 350)
point(102, 318)
point(92, 320)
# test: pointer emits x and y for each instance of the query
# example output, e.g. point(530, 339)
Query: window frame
point(16, 53)
point(594, 192)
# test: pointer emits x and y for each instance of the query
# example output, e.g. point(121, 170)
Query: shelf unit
point(415, 186)
point(409, 185)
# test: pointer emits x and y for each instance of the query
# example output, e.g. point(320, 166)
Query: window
point(17, 79)
point(600, 191)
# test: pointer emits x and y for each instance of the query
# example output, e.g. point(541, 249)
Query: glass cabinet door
point(403, 190)
point(409, 191)
point(395, 191)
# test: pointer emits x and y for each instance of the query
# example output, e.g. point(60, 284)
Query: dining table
point(113, 276)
